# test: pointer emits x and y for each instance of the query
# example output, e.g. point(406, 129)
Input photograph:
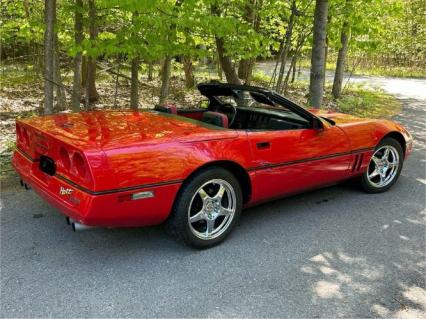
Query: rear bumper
point(116, 209)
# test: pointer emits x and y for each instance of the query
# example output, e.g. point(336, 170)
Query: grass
point(357, 99)
point(391, 71)
point(367, 102)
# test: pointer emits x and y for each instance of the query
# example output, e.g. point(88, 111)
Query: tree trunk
point(245, 69)
point(91, 92)
point(341, 58)
point(116, 81)
point(60, 92)
point(83, 71)
point(226, 63)
point(286, 47)
point(326, 51)
point(290, 71)
point(49, 52)
point(150, 70)
point(78, 38)
point(134, 83)
point(224, 60)
point(252, 17)
point(325, 60)
point(189, 72)
point(134, 87)
point(293, 75)
point(165, 79)
point(219, 69)
point(316, 83)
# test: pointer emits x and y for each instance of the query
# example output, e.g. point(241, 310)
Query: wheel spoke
point(198, 216)
point(374, 173)
point(203, 194)
point(210, 227)
point(392, 164)
point(375, 160)
point(225, 211)
point(386, 154)
point(220, 192)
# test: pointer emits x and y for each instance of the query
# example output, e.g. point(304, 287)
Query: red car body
point(125, 168)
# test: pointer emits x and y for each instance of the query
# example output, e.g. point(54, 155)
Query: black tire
point(177, 224)
point(366, 184)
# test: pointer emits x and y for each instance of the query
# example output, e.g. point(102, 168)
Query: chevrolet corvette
point(196, 169)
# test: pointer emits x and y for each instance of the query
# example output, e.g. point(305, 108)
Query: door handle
point(263, 145)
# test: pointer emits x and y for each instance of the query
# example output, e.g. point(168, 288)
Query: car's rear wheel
point(384, 168)
point(207, 208)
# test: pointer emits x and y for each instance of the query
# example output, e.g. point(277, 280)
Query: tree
point(286, 46)
point(91, 94)
point(189, 71)
point(252, 17)
point(165, 79)
point(57, 78)
point(226, 62)
point(316, 84)
point(78, 38)
point(49, 52)
point(340, 63)
point(134, 87)
point(224, 59)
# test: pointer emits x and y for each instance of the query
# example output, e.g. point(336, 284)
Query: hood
point(108, 129)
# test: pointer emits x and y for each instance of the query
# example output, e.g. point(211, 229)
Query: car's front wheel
point(207, 208)
point(384, 167)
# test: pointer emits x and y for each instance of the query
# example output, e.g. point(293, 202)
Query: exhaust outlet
point(78, 227)
point(25, 185)
point(69, 220)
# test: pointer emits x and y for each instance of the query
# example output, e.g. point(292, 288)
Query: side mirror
point(317, 124)
point(203, 104)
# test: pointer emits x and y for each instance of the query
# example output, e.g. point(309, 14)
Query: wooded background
point(68, 44)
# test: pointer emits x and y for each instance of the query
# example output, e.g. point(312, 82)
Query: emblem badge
point(65, 191)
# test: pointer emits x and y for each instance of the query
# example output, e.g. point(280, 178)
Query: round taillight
point(65, 158)
point(79, 164)
point(24, 137)
point(18, 133)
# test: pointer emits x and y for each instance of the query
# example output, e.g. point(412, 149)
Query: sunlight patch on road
point(326, 289)
point(421, 180)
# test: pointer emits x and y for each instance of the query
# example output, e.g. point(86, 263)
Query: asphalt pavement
point(335, 252)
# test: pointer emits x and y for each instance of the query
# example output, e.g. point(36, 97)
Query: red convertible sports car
point(196, 169)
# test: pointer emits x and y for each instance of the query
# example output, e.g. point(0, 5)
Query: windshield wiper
point(328, 120)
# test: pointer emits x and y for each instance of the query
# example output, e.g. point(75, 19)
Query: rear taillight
point(79, 164)
point(65, 158)
point(23, 137)
point(73, 164)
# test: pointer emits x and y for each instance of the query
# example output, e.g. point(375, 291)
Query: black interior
point(263, 119)
point(253, 108)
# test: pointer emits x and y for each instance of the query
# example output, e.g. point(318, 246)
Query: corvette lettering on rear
point(65, 191)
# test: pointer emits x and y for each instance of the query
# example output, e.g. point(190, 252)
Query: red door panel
point(290, 161)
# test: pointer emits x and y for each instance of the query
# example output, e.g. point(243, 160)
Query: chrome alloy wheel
point(383, 167)
point(212, 209)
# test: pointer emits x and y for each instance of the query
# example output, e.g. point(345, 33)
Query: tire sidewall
point(370, 188)
point(183, 201)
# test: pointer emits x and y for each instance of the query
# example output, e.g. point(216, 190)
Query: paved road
point(335, 252)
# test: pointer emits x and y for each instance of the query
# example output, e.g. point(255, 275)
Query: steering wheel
point(233, 115)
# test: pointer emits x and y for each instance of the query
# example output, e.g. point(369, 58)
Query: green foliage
point(153, 29)
point(366, 102)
